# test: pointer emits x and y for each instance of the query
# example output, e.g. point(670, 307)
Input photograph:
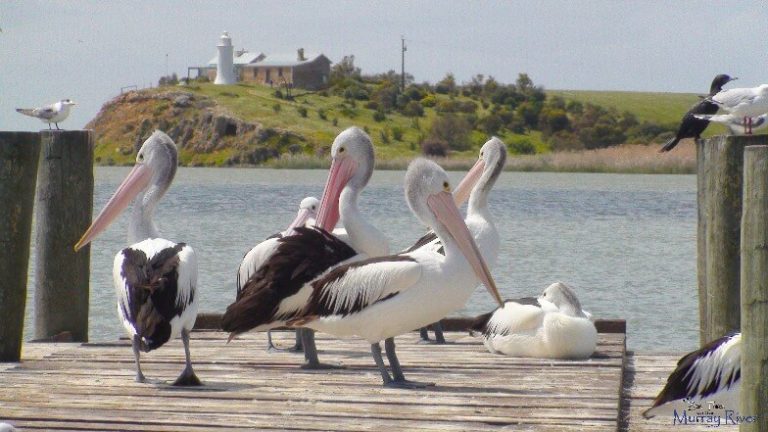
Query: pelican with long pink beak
point(380, 298)
point(269, 297)
point(475, 187)
point(155, 279)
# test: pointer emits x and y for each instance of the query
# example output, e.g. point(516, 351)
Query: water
point(626, 243)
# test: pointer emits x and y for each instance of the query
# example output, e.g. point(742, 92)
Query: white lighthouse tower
point(225, 68)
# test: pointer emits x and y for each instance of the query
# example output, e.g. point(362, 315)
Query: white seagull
point(268, 298)
point(53, 113)
point(260, 253)
point(736, 123)
point(475, 186)
point(744, 102)
point(155, 279)
point(380, 298)
point(550, 326)
point(709, 374)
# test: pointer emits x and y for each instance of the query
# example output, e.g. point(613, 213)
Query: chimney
point(301, 54)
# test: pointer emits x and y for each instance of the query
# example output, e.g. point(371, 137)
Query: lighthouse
point(225, 68)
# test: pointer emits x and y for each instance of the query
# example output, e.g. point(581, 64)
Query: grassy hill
point(247, 124)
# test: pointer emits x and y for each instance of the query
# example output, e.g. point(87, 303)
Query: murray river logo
point(710, 414)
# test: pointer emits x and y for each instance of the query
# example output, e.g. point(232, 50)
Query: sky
point(88, 50)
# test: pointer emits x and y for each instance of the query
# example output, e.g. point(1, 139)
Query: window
point(267, 77)
point(279, 72)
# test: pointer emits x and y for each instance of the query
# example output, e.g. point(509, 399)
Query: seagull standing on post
point(53, 113)
point(744, 102)
point(691, 126)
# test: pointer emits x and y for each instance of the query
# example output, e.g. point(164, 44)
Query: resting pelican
point(380, 298)
point(475, 186)
point(711, 373)
point(259, 254)
point(550, 326)
point(268, 298)
point(155, 279)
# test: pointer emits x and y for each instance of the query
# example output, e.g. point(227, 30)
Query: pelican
point(268, 298)
point(550, 326)
point(380, 298)
point(709, 374)
point(475, 186)
point(262, 251)
point(155, 279)
point(744, 102)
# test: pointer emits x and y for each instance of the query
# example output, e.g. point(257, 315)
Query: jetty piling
point(64, 206)
point(721, 165)
point(754, 289)
point(18, 170)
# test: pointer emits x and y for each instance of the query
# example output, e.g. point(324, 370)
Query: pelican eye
point(341, 150)
point(446, 186)
point(141, 157)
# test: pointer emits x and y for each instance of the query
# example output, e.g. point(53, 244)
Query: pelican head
point(351, 164)
point(155, 166)
point(564, 298)
point(428, 192)
point(493, 156)
point(307, 211)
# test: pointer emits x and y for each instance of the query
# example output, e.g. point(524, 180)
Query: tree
point(451, 129)
point(447, 85)
point(345, 69)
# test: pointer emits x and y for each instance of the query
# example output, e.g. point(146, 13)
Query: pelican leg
point(376, 352)
point(399, 380)
point(438, 329)
point(439, 338)
point(424, 334)
point(187, 377)
point(310, 352)
point(270, 345)
point(136, 354)
point(297, 348)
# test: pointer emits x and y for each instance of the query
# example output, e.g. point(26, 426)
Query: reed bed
point(628, 158)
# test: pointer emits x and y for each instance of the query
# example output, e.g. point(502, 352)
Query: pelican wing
point(352, 287)
point(517, 316)
point(429, 238)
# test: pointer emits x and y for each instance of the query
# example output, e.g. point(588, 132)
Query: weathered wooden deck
point(90, 387)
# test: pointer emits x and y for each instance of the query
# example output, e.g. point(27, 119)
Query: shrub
point(397, 133)
point(302, 111)
point(451, 129)
point(278, 94)
point(379, 116)
point(335, 121)
point(384, 135)
point(276, 108)
point(429, 100)
point(522, 146)
point(434, 147)
point(321, 114)
point(413, 109)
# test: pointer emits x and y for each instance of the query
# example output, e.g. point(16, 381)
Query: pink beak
point(462, 191)
point(138, 179)
point(442, 205)
point(341, 171)
point(301, 219)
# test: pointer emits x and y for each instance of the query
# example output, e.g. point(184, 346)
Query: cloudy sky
point(87, 50)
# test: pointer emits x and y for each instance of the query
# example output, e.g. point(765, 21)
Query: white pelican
point(736, 123)
point(550, 326)
point(744, 102)
point(380, 298)
point(53, 113)
point(268, 298)
point(5, 427)
point(709, 374)
point(155, 279)
point(475, 186)
point(259, 254)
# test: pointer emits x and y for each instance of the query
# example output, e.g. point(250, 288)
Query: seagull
point(475, 187)
point(155, 279)
point(744, 102)
point(552, 325)
point(380, 298)
point(53, 113)
point(692, 127)
point(711, 373)
point(736, 123)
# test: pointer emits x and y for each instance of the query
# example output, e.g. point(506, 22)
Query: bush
point(522, 146)
point(379, 116)
point(397, 133)
point(335, 121)
point(321, 114)
point(384, 134)
point(429, 100)
point(302, 111)
point(434, 147)
point(278, 94)
point(413, 109)
point(451, 129)
point(276, 108)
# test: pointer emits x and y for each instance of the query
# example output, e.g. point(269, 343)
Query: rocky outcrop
point(196, 123)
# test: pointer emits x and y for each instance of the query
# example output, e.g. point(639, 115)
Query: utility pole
point(402, 64)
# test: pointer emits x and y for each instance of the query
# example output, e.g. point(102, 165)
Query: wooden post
point(724, 160)
point(701, 235)
point(754, 290)
point(19, 152)
point(64, 206)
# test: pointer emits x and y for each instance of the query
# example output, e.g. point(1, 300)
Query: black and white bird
point(269, 297)
point(709, 374)
point(691, 126)
point(475, 187)
point(155, 279)
point(746, 103)
point(736, 124)
point(260, 253)
point(53, 113)
point(380, 298)
point(552, 325)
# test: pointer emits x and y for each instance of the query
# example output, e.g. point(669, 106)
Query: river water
point(625, 243)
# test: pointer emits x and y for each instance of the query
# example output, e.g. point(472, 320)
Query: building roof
point(287, 60)
point(243, 59)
